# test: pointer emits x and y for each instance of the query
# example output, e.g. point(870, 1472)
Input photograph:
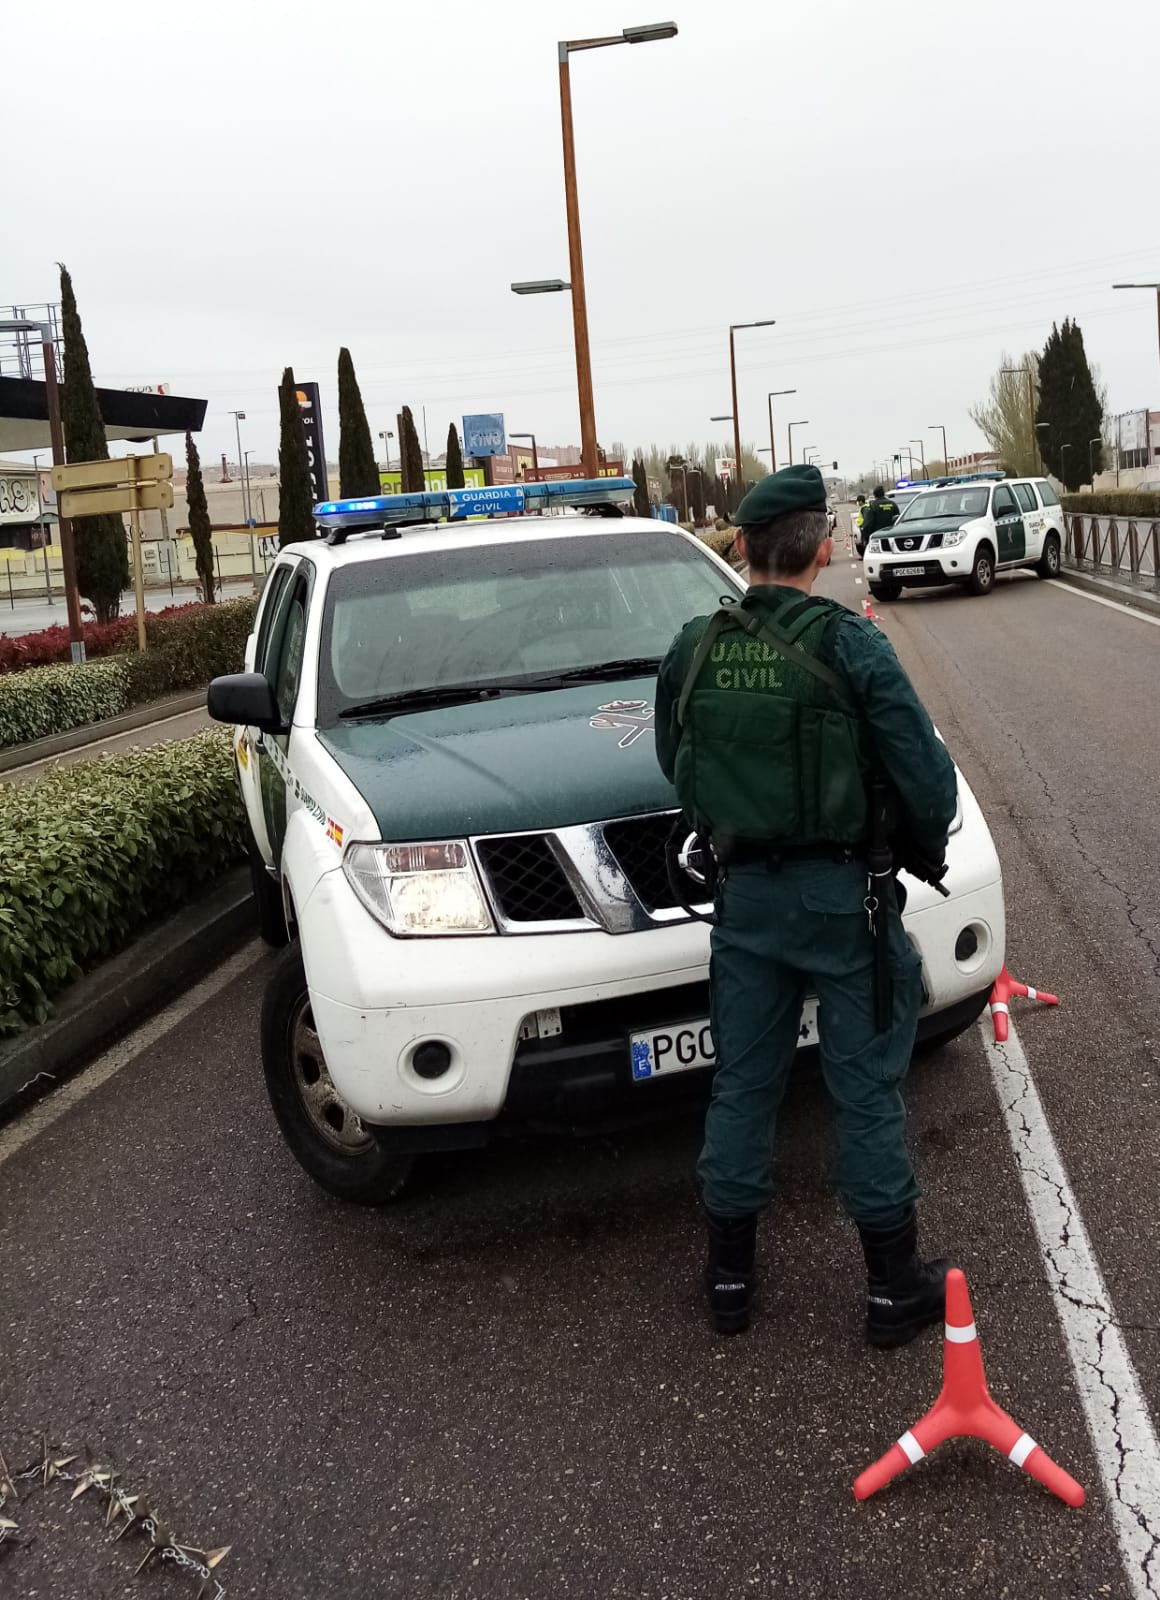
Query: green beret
point(800, 488)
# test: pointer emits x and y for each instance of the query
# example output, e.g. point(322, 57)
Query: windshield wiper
point(442, 694)
point(600, 671)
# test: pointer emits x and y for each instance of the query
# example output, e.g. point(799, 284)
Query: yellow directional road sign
point(113, 474)
point(92, 502)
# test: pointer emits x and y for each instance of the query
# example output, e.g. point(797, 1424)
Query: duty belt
point(765, 852)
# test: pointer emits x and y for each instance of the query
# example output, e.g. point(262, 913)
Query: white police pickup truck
point(458, 827)
point(964, 530)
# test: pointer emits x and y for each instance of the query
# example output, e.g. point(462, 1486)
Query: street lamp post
point(1155, 286)
point(1063, 449)
point(240, 417)
point(1092, 459)
point(535, 457)
point(789, 431)
point(1040, 427)
point(931, 427)
point(386, 435)
point(566, 48)
point(767, 322)
point(772, 446)
point(921, 456)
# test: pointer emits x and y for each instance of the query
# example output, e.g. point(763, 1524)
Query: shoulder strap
point(771, 634)
point(716, 622)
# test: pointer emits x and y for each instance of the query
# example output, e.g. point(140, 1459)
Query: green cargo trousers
point(782, 934)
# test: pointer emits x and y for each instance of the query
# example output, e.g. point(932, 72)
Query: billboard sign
point(311, 409)
point(433, 478)
point(484, 435)
point(1130, 430)
point(725, 467)
point(19, 497)
point(556, 474)
point(147, 388)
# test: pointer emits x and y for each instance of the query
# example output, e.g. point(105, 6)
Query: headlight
point(416, 889)
point(956, 536)
point(874, 548)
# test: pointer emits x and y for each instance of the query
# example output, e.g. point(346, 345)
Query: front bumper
point(937, 566)
point(492, 1002)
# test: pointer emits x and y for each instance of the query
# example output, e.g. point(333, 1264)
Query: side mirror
point(245, 698)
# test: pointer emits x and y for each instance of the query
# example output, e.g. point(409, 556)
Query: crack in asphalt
point(1129, 1466)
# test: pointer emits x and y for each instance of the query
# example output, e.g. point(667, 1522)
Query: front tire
point(982, 579)
point(886, 591)
point(327, 1139)
point(1050, 561)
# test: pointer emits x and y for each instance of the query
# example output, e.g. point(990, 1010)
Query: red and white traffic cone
point(1000, 1002)
point(868, 610)
point(965, 1409)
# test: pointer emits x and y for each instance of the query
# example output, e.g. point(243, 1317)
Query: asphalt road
point(505, 1387)
point(181, 726)
point(31, 613)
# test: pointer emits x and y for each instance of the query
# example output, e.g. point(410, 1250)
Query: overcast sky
point(908, 189)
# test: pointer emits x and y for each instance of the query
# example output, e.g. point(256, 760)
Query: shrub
point(187, 646)
point(48, 700)
point(719, 540)
point(101, 639)
point(1114, 503)
point(92, 852)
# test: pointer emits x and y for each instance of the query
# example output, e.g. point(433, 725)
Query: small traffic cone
point(965, 1409)
point(868, 610)
point(1000, 1002)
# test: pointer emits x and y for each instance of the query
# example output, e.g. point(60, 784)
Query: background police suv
point(964, 531)
point(458, 829)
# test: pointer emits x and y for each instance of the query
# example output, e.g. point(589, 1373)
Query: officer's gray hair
point(786, 546)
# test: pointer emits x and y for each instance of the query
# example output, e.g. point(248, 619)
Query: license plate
point(684, 1046)
point(906, 572)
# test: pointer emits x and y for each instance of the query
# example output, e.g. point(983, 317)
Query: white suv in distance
point(964, 531)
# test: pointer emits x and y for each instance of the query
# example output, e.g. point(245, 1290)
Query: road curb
point(159, 965)
point(27, 755)
point(1126, 593)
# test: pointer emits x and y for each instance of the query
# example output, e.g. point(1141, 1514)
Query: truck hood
point(923, 525)
point(526, 762)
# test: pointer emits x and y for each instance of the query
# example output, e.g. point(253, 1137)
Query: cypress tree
point(358, 467)
point(410, 455)
point(102, 553)
point(640, 499)
point(455, 478)
point(1070, 406)
point(200, 528)
point(295, 493)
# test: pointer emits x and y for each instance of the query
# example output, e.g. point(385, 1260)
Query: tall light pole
point(386, 435)
point(804, 423)
point(932, 427)
point(1039, 428)
point(565, 49)
point(773, 393)
point(1155, 286)
point(1092, 459)
point(1063, 449)
point(921, 455)
point(240, 417)
point(535, 457)
point(767, 322)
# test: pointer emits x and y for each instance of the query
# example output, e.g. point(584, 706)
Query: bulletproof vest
point(770, 746)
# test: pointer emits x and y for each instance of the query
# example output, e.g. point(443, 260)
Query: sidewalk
point(1143, 593)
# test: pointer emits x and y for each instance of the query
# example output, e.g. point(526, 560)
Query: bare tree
point(1006, 419)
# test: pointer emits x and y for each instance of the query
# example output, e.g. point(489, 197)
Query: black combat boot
point(904, 1293)
point(729, 1271)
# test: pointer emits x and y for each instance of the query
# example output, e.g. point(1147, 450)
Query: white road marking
point(45, 1112)
point(1122, 1433)
point(858, 581)
point(1112, 605)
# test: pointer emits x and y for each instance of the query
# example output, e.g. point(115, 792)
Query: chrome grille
point(638, 843)
point(527, 880)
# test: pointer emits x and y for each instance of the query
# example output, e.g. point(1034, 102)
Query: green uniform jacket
point(911, 753)
point(878, 514)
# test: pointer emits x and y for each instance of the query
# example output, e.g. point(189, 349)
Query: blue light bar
point(340, 517)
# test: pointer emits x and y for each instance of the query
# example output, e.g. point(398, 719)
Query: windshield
point(476, 614)
point(958, 503)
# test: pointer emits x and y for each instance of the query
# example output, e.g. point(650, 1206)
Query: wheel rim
point(1053, 557)
point(983, 570)
point(327, 1112)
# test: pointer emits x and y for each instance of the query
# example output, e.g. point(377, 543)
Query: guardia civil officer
point(782, 721)
point(882, 512)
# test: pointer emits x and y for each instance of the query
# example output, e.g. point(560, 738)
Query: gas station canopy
point(126, 413)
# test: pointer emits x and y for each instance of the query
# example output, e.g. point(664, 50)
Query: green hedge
point(92, 852)
point(183, 652)
point(1114, 503)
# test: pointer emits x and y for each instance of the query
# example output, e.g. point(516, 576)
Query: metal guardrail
point(1126, 547)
